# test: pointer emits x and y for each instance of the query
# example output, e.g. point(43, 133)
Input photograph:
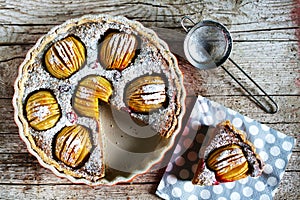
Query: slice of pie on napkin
point(273, 147)
point(228, 157)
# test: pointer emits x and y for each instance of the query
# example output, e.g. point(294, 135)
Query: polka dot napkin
point(274, 147)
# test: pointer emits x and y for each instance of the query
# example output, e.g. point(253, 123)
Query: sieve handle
point(267, 110)
point(183, 19)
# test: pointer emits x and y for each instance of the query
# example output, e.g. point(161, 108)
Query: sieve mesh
point(208, 44)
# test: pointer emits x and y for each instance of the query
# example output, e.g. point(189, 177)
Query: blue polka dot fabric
point(274, 148)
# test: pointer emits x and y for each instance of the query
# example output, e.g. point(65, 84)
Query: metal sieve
point(208, 45)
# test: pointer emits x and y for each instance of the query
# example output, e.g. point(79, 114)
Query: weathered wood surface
point(265, 45)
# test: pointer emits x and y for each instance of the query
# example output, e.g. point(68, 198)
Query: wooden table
point(265, 45)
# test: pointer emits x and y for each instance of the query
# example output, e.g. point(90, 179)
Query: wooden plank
point(286, 120)
point(13, 174)
point(22, 34)
point(24, 169)
point(13, 166)
point(264, 65)
point(278, 35)
point(7, 123)
point(269, 13)
point(12, 143)
point(14, 53)
point(287, 190)
point(289, 187)
point(265, 45)
point(288, 110)
point(29, 34)
point(289, 129)
point(144, 191)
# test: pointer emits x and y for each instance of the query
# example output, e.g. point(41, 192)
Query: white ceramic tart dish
point(99, 100)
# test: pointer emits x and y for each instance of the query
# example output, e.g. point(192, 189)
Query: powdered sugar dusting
point(149, 60)
point(41, 112)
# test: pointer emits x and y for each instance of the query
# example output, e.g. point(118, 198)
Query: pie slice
point(228, 157)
